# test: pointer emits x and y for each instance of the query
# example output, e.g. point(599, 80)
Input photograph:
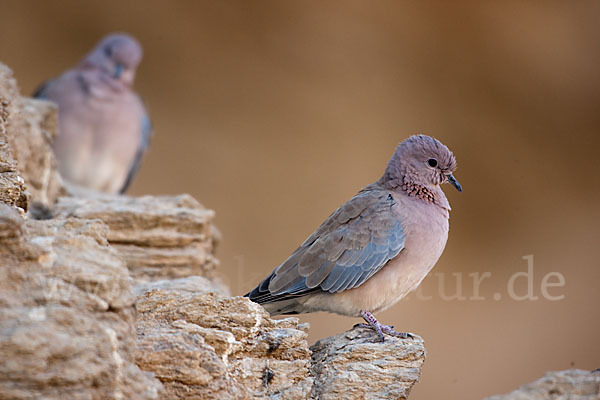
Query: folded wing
point(353, 243)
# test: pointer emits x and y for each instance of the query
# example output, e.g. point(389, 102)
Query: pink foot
point(381, 329)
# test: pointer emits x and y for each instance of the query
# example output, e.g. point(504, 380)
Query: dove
point(104, 128)
point(374, 249)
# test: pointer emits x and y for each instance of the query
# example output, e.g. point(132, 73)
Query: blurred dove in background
point(374, 249)
point(104, 129)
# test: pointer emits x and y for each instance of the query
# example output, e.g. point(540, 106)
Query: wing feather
point(353, 243)
point(145, 137)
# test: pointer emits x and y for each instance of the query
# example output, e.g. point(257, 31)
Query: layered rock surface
point(204, 345)
point(66, 313)
point(384, 371)
point(575, 384)
point(207, 346)
point(13, 190)
point(158, 237)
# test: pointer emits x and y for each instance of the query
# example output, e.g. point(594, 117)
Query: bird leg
point(381, 329)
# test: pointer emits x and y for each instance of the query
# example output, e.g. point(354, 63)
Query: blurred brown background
point(275, 112)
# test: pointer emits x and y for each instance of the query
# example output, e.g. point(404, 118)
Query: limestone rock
point(27, 129)
point(558, 385)
point(353, 365)
point(159, 237)
point(12, 186)
point(191, 284)
point(31, 135)
point(201, 345)
point(66, 313)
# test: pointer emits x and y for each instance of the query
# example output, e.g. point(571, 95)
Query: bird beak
point(118, 71)
point(452, 180)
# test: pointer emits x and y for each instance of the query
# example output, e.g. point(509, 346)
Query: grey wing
point(41, 91)
point(355, 242)
point(144, 144)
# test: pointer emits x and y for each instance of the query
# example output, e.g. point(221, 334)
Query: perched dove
point(103, 126)
point(374, 249)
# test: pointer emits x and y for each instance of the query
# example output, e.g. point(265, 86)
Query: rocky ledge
point(570, 384)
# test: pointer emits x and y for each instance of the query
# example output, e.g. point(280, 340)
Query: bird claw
point(381, 329)
point(389, 329)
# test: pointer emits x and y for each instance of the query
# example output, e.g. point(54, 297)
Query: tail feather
point(277, 303)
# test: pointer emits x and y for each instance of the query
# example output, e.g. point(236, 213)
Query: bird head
point(117, 56)
point(424, 161)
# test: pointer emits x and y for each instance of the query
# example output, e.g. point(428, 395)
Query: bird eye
point(108, 51)
point(432, 162)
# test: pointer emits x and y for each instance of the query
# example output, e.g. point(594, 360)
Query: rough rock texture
point(66, 313)
point(203, 345)
point(575, 384)
point(352, 366)
point(30, 135)
point(13, 191)
point(191, 284)
point(157, 236)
